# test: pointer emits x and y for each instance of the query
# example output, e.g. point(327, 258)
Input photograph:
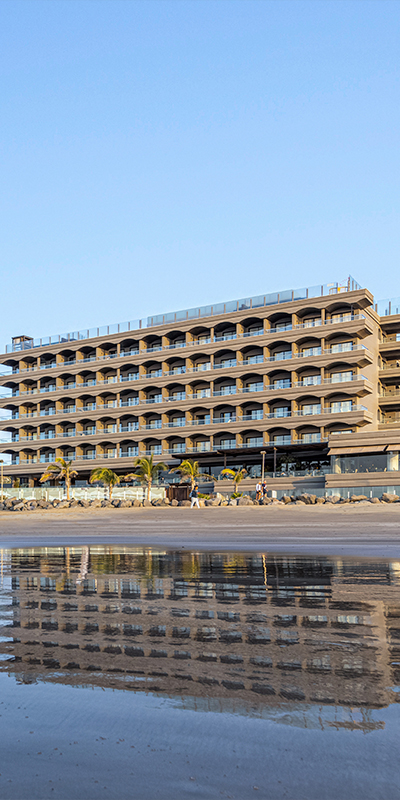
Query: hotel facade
point(306, 382)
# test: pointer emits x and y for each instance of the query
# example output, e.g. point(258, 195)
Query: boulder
point(320, 500)
point(185, 503)
point(84, 503)
point(286, 499)
point(224, 503)
point(125, 504)
point(305, 498)
point(232, 501)
point(106, 504)
point(174, 503)
point(245, 501)
point(389, 498)
point(333, 498)
point(374, 500)
point(136, 503)
point(213, 501)
point(356, 498)
point(147, 503)
point(157, 502)
point(300, 503)
point(266, 501)
point(18, 506)
point(95, 503)
point(116, 503)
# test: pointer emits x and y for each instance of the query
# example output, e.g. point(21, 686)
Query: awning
point(349, 451)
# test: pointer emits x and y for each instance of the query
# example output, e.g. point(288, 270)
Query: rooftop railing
point(245, 304)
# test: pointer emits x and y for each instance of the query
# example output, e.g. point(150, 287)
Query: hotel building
point(307, 380)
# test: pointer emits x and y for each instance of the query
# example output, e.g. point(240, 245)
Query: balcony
point(154, 374)
point(201, 447)
point(176, 448)
point(156, 399)
point(176, 396)
point(180, 422)
point(230, 362)
point(132, 401)
point(256, 441)
point(176, 371)
point(226, 444)
point(222, 392)
point(253, 360)
point(151, 426)
point(129, 452)
point(156, 450)
point(132, 426)
point(224, 419)
point(202, 393)
point(133, 376)
point(253, 387)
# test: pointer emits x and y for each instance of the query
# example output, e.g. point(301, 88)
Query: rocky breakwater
point(15, 504)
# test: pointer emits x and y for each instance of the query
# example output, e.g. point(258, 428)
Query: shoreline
point(365, 531)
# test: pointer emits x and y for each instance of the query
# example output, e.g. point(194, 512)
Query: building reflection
point(258, 630)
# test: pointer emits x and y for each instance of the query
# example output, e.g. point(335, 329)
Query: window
point(342, 348)
point(341, 405)
point(311, 408)
point(340, 377)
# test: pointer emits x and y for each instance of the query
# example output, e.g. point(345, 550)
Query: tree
point(236, 474)
point(146, 472)
point(58, 470)
point(190, 470)
point(105, 476)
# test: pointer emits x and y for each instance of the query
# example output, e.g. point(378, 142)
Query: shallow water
point(138, 673)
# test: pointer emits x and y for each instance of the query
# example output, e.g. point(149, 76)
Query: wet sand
point(362, 531)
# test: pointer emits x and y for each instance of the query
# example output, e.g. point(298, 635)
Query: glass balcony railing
point(245, 304)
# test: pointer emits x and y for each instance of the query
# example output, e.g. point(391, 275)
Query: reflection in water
point(220, 631)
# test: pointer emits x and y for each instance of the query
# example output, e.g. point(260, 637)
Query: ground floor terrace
point(368, 467)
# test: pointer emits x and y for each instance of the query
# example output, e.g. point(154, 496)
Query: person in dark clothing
point(194, 496)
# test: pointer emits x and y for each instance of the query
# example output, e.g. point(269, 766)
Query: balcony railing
point(231, 307)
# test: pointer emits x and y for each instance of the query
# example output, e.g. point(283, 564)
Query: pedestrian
point(258, 490)
point(194, 496)
point(264, 489)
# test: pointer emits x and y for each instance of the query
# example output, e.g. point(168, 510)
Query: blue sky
point(160, 155)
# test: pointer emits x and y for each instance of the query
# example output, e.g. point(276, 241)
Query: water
point(140, 673)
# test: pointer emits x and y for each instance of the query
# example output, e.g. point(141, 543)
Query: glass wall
point(381, 462)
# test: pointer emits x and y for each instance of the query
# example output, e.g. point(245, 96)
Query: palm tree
point(58, 470)
point(190, 470)
point(146, 472)
point(105, 476)
point(236, 474)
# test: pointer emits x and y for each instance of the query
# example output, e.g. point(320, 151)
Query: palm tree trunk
point(67, 480)
point(110, 488)
point(149, 489)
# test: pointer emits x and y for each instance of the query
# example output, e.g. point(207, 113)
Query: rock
point(64, 504)
point(95, 503)
point(374, 500)
point(389, 498)
point(74, 503)
point(300, 503)
point(84, 503)
point(185, 503)
point(18, 507)
point(116, 503)
point(305, 498)
point(245, 501)
point(320, 501)
point(174, 503)
point(213, 501)
point(333, 498)
point(356, 498)
point(157, 502)
point(286, 499)
point(266, 501)
point(224, 503)
point(136, 503)
point(147, 503)
point(33, 503)
point(125, 504)
point(232, 501)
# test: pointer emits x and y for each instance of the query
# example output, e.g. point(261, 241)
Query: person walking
point(264, 489)
point(258, 491)
point(194, 496)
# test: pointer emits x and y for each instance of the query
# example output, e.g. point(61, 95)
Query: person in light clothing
point(194, 496)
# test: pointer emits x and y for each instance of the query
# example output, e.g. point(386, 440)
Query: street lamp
point(1, 480)
point(262, 468)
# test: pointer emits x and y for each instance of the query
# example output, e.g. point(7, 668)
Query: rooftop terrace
point(247, 303)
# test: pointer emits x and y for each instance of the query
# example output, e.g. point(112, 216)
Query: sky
point(161, 155)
